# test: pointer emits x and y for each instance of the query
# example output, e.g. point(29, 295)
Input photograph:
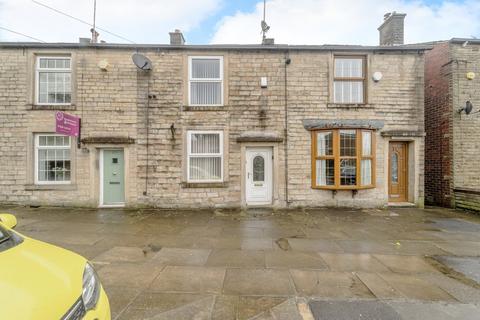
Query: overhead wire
point(81, 21)
point(22, 34)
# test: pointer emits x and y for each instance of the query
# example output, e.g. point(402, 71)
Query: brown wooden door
point(397, 172)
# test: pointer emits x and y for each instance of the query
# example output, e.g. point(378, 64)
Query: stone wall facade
point(112, 106)
point(453, 137)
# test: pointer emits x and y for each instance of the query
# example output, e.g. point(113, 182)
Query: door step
point(401, 205)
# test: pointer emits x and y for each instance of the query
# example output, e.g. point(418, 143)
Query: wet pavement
point(259, 264)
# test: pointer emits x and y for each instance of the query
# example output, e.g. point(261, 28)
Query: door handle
point(248, 175)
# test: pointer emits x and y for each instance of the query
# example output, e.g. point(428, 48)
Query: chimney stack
point(391, 30)
point(176, 38)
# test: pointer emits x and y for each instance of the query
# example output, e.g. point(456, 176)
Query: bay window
point(205, 156)
point(205, 81)
point(52, 159)
point(343, 159)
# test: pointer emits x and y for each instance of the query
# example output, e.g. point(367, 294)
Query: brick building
point(214, 125)
point(452, 161)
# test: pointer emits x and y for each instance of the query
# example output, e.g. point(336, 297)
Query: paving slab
point(353, 310)
point(460, 248)
point(379, 287)
point(250, 307)
point(329, 284)
point(421, 311)
point(181, 257)
point(468, 266)
point(406, 264)
point(189, 279)
point(236, 258)
point(416, 288)
point(353, 262)
point(150, 304)
point(314, 245)
point(460, 291)
point(294, 260)
point(258, 282)
point(197, 310)
point(123, 254)
point(120, 297)
point(129, 274)
point(286, 311)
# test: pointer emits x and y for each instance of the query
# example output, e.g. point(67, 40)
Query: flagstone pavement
point(402, 263)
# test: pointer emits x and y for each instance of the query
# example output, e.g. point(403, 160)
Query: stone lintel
point(316, 124)
point(108, 140)
point(260, 136)
point(402, 133)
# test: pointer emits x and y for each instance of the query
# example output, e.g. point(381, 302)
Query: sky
point(238, 21)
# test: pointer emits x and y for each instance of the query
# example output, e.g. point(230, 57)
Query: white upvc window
point(205, 156)
point(53, 84)
point(349, 79)
point(52, 159)
point(205, 80)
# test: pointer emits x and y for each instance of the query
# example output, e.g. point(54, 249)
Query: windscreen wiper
point(2, 240)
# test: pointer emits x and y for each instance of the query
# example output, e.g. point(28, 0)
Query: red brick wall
point(438, 126)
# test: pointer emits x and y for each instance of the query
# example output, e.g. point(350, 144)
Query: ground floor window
point(205, 156)
point(52, 159)
point(343, 159)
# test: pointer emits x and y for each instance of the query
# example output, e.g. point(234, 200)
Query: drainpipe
point(147, 126)
point(287, 62)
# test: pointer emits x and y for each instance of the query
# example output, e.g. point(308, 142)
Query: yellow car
point(44, 282)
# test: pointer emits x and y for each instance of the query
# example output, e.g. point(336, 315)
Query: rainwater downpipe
point(147, 125)
point(287, 62)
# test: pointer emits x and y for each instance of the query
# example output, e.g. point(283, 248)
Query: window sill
point(61, 107)
point(205, 108)
point(350, 105)
point(50, 187)
point(204, 184)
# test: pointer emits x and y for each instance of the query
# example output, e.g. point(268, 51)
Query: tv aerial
point(142, 62)
point(265, 27)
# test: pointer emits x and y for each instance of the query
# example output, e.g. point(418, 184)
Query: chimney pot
point(176, 38)
point(392, 29)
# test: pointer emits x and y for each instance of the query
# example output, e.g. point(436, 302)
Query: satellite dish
point(265, 26)
point(142, 62)
point(468, 108)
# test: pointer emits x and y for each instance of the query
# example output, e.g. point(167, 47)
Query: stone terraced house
point(214, 125)
point(452, 160)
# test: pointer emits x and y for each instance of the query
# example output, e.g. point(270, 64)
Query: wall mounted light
point(470, 75)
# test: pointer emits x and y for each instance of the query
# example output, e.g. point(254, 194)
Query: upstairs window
point(53, 81)
point(349, 80)
point(205, 75)
point(52, 159)
point(205, 156)
point(343, 159)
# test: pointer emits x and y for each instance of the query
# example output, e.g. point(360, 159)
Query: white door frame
point(101, 204)
point(269, 176)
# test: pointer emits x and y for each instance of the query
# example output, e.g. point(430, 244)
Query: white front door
point(258, 180)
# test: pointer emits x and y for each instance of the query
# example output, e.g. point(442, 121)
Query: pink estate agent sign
point(67, 124)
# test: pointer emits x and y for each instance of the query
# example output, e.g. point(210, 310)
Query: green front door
point(113, 177)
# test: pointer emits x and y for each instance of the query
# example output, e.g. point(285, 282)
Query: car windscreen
point(4, 235)
point(8, 239)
